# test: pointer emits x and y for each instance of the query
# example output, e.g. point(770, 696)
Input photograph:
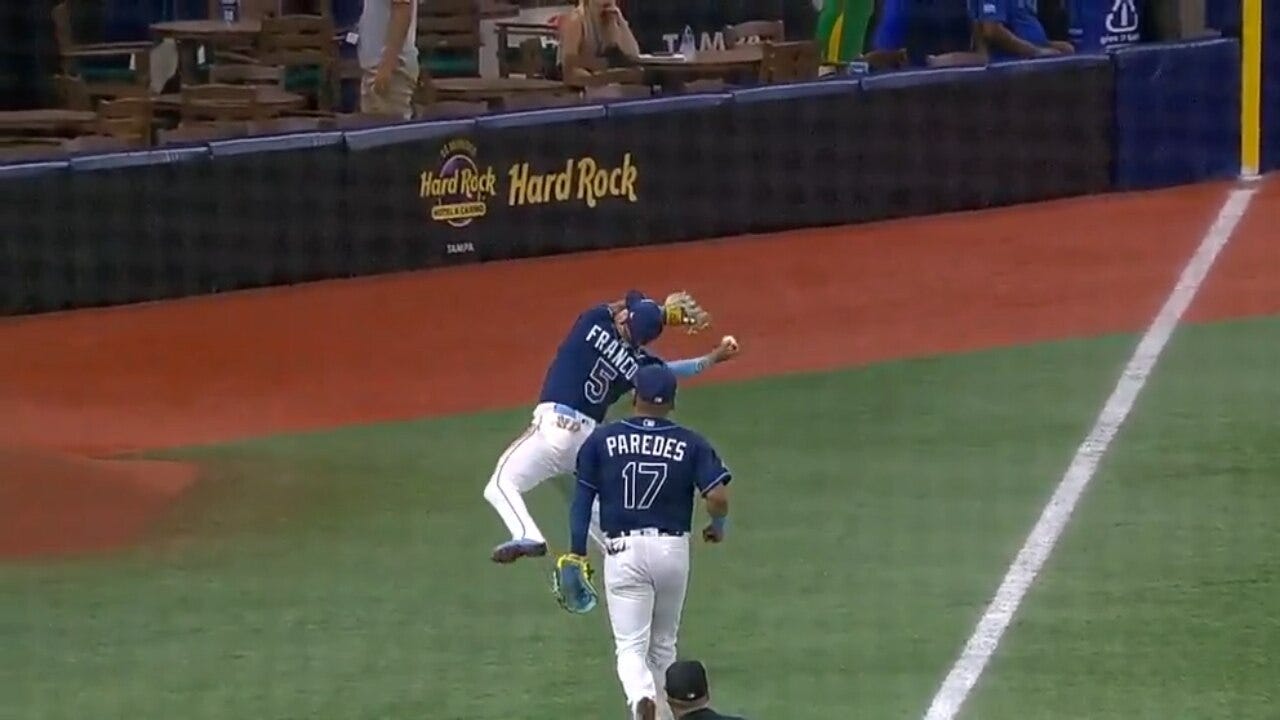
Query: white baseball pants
point(645, 580)
point(547, 448)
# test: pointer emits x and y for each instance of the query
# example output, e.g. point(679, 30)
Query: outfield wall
point(244, 213)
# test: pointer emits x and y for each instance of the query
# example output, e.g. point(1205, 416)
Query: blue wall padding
point(1177, 113)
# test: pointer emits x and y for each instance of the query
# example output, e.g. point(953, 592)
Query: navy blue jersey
point(646, 472)
point(594, 366)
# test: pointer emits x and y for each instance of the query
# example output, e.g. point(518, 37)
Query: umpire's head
point(687, 687)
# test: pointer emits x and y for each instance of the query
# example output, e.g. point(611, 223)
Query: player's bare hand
point(712, 535)
point(728, 349)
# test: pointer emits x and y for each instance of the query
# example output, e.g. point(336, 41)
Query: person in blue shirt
point(932, 32)
point(646, 471)
point(593, 367)
point(1011, 29)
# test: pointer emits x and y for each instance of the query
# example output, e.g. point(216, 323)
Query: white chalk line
point(968, 668)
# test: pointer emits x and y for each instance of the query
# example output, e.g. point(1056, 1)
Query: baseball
point(731, 341)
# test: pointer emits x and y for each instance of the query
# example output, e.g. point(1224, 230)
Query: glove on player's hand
point(571, 584)
point(682, 309)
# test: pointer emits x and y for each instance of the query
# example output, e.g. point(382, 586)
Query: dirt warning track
point(327, 354)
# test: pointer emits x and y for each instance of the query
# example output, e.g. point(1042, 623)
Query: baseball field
point(267, 505)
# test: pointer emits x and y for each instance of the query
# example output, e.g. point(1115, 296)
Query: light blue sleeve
point(690, 366)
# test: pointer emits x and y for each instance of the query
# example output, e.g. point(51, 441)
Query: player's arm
point(713, 482)
point(717, 502)
point(571, 581)
point(580, 517)
point(726, 350)
point(584, 497)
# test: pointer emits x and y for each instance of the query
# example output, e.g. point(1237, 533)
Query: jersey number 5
point(641, 483)
point(599, 379)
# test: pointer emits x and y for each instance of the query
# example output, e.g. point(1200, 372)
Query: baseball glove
point(571, 584)
point(682, 309)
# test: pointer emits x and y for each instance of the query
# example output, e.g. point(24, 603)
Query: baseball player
point(645, 470)
point(593, 367)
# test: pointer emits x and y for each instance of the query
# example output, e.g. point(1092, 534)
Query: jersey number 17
point(641, 483)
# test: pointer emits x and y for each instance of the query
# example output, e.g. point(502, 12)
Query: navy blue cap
point(646, 320)
point(656, 384)
point(687, 681)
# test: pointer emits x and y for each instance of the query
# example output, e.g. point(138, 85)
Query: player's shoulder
point(689, 435)
point(604, 430)
point(594, 440)
point(687, 432)
point(645, 356)
point(596, 314)
point(607, 427)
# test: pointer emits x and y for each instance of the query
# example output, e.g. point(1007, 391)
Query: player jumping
point(645, 471)
point(594, 366)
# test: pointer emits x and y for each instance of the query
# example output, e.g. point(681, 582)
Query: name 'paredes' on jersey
point(651, 445)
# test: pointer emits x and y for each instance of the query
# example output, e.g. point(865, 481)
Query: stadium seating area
point(130, 74)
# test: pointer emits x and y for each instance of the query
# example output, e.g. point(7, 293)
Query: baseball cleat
point(512, 550)
point(646, 710)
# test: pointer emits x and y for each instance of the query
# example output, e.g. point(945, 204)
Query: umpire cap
point(687, 681)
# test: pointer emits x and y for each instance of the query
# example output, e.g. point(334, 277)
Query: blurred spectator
point(594, 37)
point(937, 33)
point(28, 57)
point(1055, 16)
point(842, 29)
point(1010, 29)
point(388, 49)
point(801, 17)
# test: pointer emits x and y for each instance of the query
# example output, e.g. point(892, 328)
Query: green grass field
point(345, 575)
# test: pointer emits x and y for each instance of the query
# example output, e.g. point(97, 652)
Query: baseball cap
point(687, 681)
point(656, 384)
point(646, 318)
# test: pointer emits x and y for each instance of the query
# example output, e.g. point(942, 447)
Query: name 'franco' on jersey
point(646, 472)
point(594, 366)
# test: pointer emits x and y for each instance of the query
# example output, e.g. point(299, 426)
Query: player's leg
point(669, 567)
point(572, 440)
point(525, 463)
point(629, 596)
point(548, 448)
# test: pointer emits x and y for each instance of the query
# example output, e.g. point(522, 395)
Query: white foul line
point(1035, 551)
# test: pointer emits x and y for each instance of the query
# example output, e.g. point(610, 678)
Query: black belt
point(647, 532)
